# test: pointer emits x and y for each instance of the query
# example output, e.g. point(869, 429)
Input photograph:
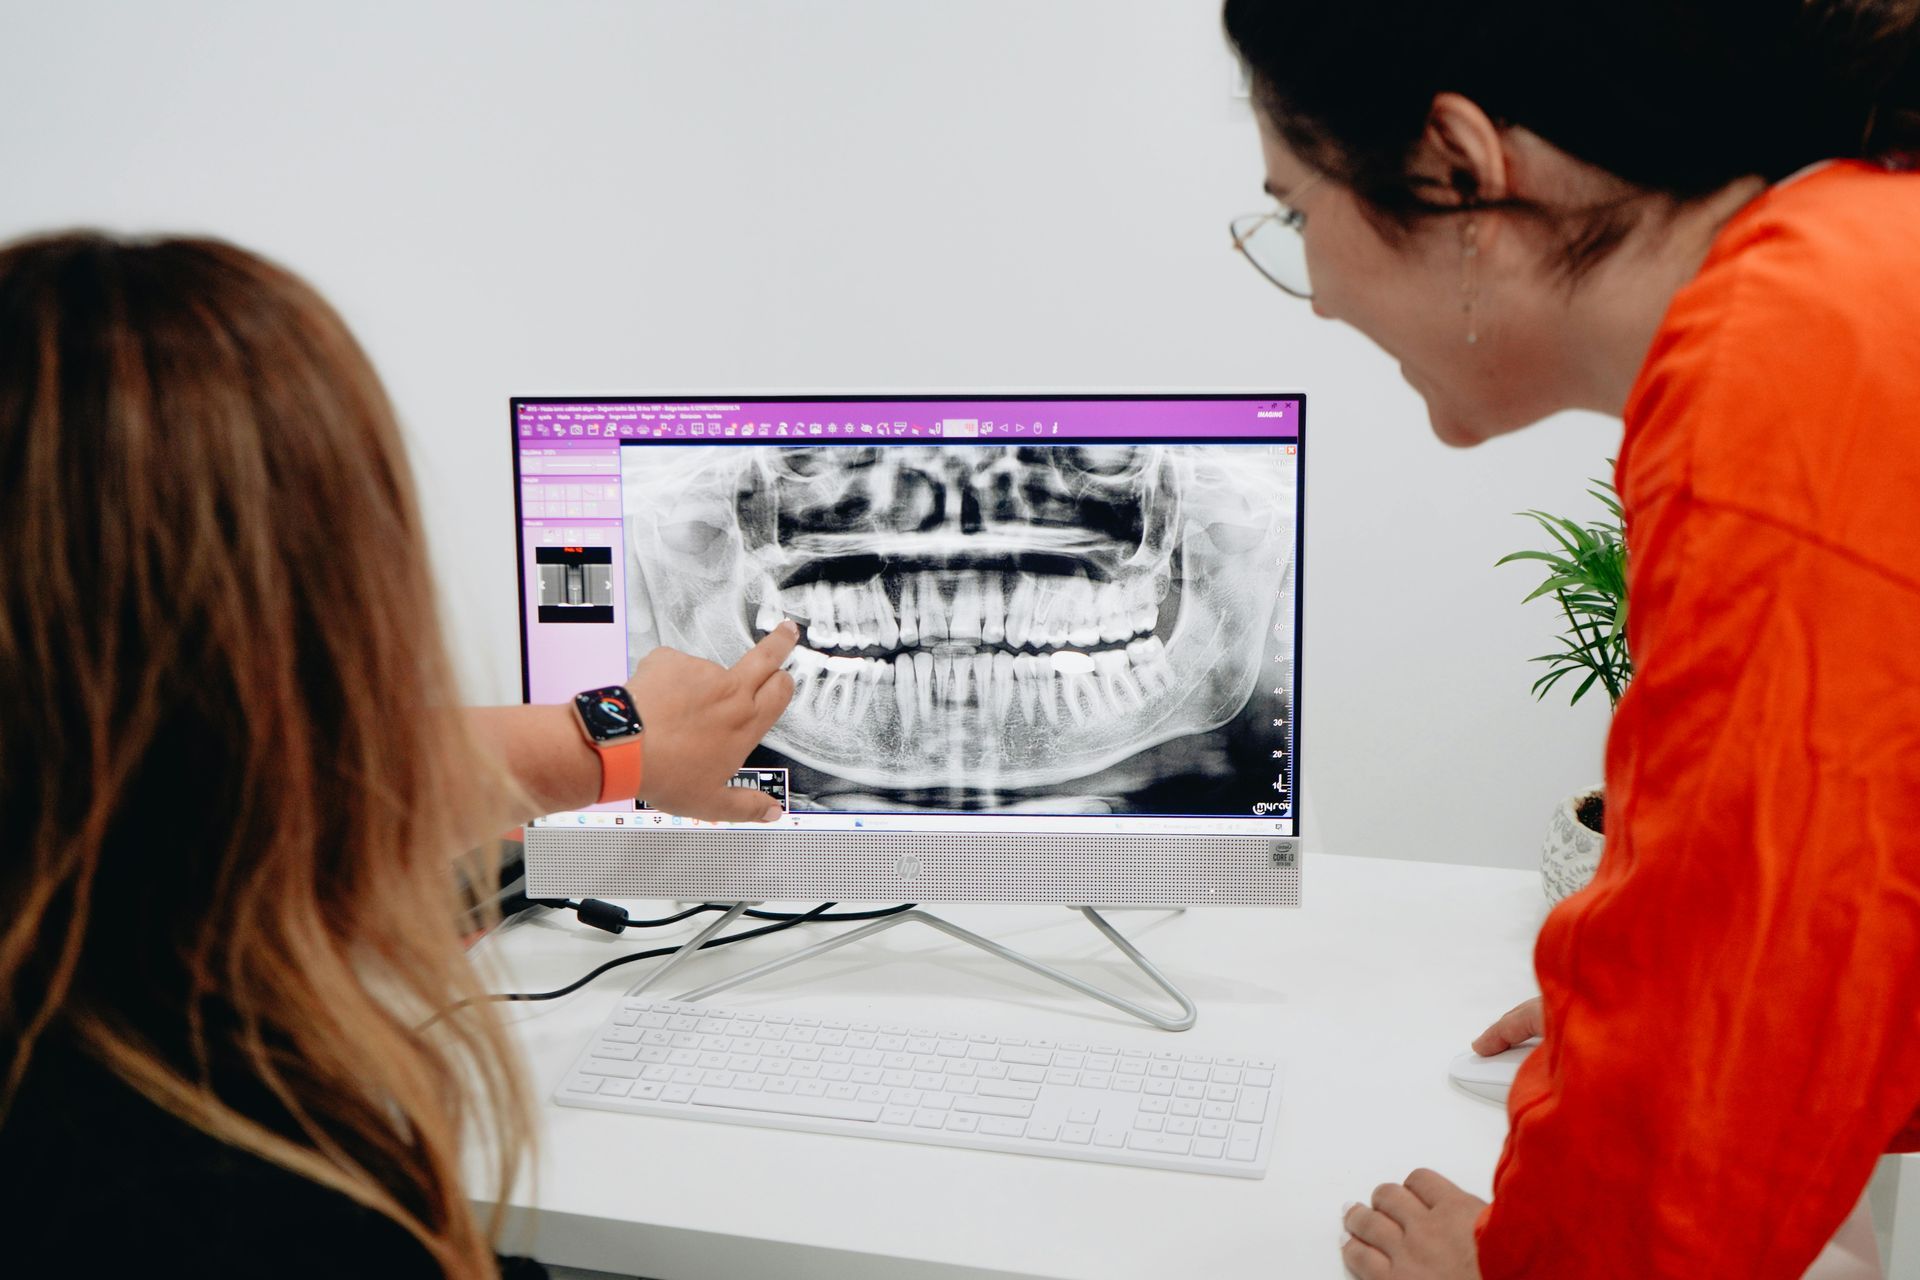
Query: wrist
point(613, 731)
point(578, 763)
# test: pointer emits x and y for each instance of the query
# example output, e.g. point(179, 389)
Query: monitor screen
point(1061, 614)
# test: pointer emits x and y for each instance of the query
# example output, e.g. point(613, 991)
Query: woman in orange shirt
point(1700, 216)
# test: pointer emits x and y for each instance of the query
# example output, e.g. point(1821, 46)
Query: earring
point(1470, 275)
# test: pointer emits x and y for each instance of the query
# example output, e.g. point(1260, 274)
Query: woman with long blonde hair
point(234, 776)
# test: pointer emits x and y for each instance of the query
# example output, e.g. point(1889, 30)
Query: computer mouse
point(1490, 1078)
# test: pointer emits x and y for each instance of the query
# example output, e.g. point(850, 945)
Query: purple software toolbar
point(865, 421)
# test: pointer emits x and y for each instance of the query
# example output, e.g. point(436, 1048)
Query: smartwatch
point(613, 730)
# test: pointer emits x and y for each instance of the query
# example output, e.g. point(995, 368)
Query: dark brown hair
point(231, 783)
point(1672, 98)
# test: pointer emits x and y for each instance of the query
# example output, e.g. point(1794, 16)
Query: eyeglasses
point(1274, 243)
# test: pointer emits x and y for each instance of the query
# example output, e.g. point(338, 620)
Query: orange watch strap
point(620, 769)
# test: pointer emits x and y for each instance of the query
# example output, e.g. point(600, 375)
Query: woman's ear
point(1460, 156)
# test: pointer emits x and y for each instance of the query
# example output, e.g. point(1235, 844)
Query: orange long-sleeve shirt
point(1733, 1006)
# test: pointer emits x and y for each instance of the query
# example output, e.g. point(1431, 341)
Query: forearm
point(543, 750)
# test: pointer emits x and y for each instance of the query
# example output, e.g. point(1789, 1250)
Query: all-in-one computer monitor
point(1049, 642)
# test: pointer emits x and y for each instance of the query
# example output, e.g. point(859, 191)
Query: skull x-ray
point(1055, 629)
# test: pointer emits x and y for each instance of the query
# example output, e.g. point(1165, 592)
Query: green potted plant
point(1587, 578)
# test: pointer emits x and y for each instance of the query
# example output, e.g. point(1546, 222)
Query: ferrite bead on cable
point(602, 915)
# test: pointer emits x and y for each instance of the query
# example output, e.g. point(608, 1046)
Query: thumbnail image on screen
point(1045, 629)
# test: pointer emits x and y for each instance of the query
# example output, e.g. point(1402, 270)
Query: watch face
point(608, 713)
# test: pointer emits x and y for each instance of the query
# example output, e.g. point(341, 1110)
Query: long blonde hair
point(231, 770)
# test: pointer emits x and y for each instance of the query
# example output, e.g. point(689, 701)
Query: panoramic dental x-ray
point(1030, 628)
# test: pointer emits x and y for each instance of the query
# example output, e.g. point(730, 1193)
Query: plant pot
point(1572, 851)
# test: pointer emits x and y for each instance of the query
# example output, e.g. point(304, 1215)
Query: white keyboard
point(1154, 1108)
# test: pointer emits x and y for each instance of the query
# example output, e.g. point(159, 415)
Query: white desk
point(1364, 994)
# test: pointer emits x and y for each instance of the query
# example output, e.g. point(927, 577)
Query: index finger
point(1514, 1027)
point(765, 658)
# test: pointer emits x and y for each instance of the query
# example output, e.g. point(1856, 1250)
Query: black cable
point(782, 921)
point(605, 915)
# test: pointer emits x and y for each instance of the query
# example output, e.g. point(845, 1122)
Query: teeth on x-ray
point(972, 616)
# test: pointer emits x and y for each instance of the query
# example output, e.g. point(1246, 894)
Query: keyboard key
point(1083, 1115)
point(623, 1035)
point(1252, 1108)
point(1133, 1067)
point(1186, 1107)
point(1043, 1130)
point(750, 1081)
point(1216, 1110)
point(896, 1115)
point(1078, 1134)
point(1190, 1089)
point(778, 1084)
point(1026, 1057)
point(582, 1084)
point(1062, 1076)
point(1193, 1071)
point(1214, 1129)
point(842, 1091)
point(1226, 1075)
point(804, 1089)
point(1027, 1075)
point(906, 1097)
point(1075, 1060)
point(994, 1107)
point(1211, 1148)
point(1127, 1084)
point(1101, 1062)
point(625, 1052)
point(938, 1102)
point(982, 1052)
point(874, 1093)
point(1242, 1148)
point(1221, 1093)
point(928, 1119)
point(1005, 1089)
point(1149, 1123)
point(1181, 1125)
point(602, 1067)
point(1154, 1106)
point(644, 1091)
point(1159, 1143)
point(1109, 1137)
point(960, 1123)
point(991, 1070)
point(1095, 1080)
point(676, 1093)
point(1000, 1128)
point(792, 1105)
point(1259, 1079)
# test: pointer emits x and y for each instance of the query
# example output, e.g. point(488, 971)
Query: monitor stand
point(1188, 1013)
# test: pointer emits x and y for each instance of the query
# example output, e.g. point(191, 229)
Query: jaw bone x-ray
point(1035, 628)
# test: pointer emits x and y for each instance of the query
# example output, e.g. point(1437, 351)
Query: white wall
point(572, 197)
